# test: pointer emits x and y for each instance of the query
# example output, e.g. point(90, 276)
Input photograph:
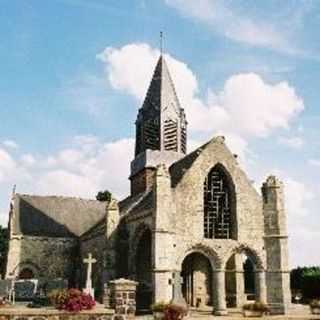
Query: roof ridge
point(135, 203)
point(55, 197)
point(164, 66)
point(218, 138)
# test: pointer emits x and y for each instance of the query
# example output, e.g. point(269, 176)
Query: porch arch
point(215, 260)
point(142, 265)
point(245, 276)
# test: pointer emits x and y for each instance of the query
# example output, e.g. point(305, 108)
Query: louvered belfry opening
point(151, 134)
point(183, 139)
point(218, 205)
point(170, 136)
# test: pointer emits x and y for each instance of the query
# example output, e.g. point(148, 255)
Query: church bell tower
point(161, 129)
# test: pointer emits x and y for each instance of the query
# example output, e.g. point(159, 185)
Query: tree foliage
point(307, 281)
point(4, 239)
point(104, 196)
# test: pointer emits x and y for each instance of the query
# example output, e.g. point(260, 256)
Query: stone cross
point(90, 261)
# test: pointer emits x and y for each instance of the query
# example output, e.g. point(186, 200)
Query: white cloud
point(303, 243)
point(28, 160)
point(130, 67)
point(297, 195)
point(10, 144)
point(291, 142)
point(63, 182)
point(225, 20)
point(246, 105)
point(7, 165)
point(81, 169)
point(239, 147)
point(302, 223)
point(314, 162)
point(84, 168)
point(255, 107)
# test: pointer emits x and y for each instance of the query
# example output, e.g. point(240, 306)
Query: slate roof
point(178, 168)
point(138, 203)
point(55, 216)
point(161, 86)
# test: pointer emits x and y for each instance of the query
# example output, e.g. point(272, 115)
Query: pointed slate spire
point(161, 123)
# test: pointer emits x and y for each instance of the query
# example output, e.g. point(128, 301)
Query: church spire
point(161, 122)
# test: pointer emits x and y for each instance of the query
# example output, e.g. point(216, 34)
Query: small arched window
point(219, 204)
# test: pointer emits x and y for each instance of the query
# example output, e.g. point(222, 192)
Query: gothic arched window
point(219, 204)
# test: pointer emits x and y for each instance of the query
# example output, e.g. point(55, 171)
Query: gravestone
point(5, 286)
point(25, 290)
point(55, 284)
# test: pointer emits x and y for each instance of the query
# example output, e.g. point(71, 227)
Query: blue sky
point(74, 72)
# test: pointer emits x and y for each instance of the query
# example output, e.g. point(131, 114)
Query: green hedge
point(307, 281)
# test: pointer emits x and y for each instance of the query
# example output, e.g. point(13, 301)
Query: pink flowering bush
point(72, 300)
point(175, 312)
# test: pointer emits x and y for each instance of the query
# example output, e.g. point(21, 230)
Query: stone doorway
point(143, 267)
point(197, 280)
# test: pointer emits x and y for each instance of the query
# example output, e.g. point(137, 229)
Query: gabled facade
point(192, 224)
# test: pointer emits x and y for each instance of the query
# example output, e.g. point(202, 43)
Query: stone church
point(192, 222)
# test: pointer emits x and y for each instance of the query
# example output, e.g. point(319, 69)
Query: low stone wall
point(53, 314)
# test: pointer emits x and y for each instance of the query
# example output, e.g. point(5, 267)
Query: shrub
point(58, 297)
point(175, 312)
point(311, 284)
point(71, 300)
point(159, 307)
point(306, 280)
point(39, 302)
point(3, 302)
point(256, 306)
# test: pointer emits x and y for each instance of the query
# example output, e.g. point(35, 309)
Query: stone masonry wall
point(46, 257)
point(188, 197)
point(142, 181)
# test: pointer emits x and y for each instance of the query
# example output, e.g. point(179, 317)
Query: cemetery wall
point(47, 314)
point(46, 257)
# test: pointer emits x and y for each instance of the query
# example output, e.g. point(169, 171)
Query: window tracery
point(217, 205)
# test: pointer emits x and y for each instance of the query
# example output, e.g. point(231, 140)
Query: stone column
point(240, 295)
point(260, 279)
point(219, 285)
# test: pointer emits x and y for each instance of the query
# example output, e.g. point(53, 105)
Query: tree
point(4, 239)
point(104, 196)
point(306, 280)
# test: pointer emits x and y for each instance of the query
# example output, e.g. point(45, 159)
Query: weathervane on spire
point(161, 42)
